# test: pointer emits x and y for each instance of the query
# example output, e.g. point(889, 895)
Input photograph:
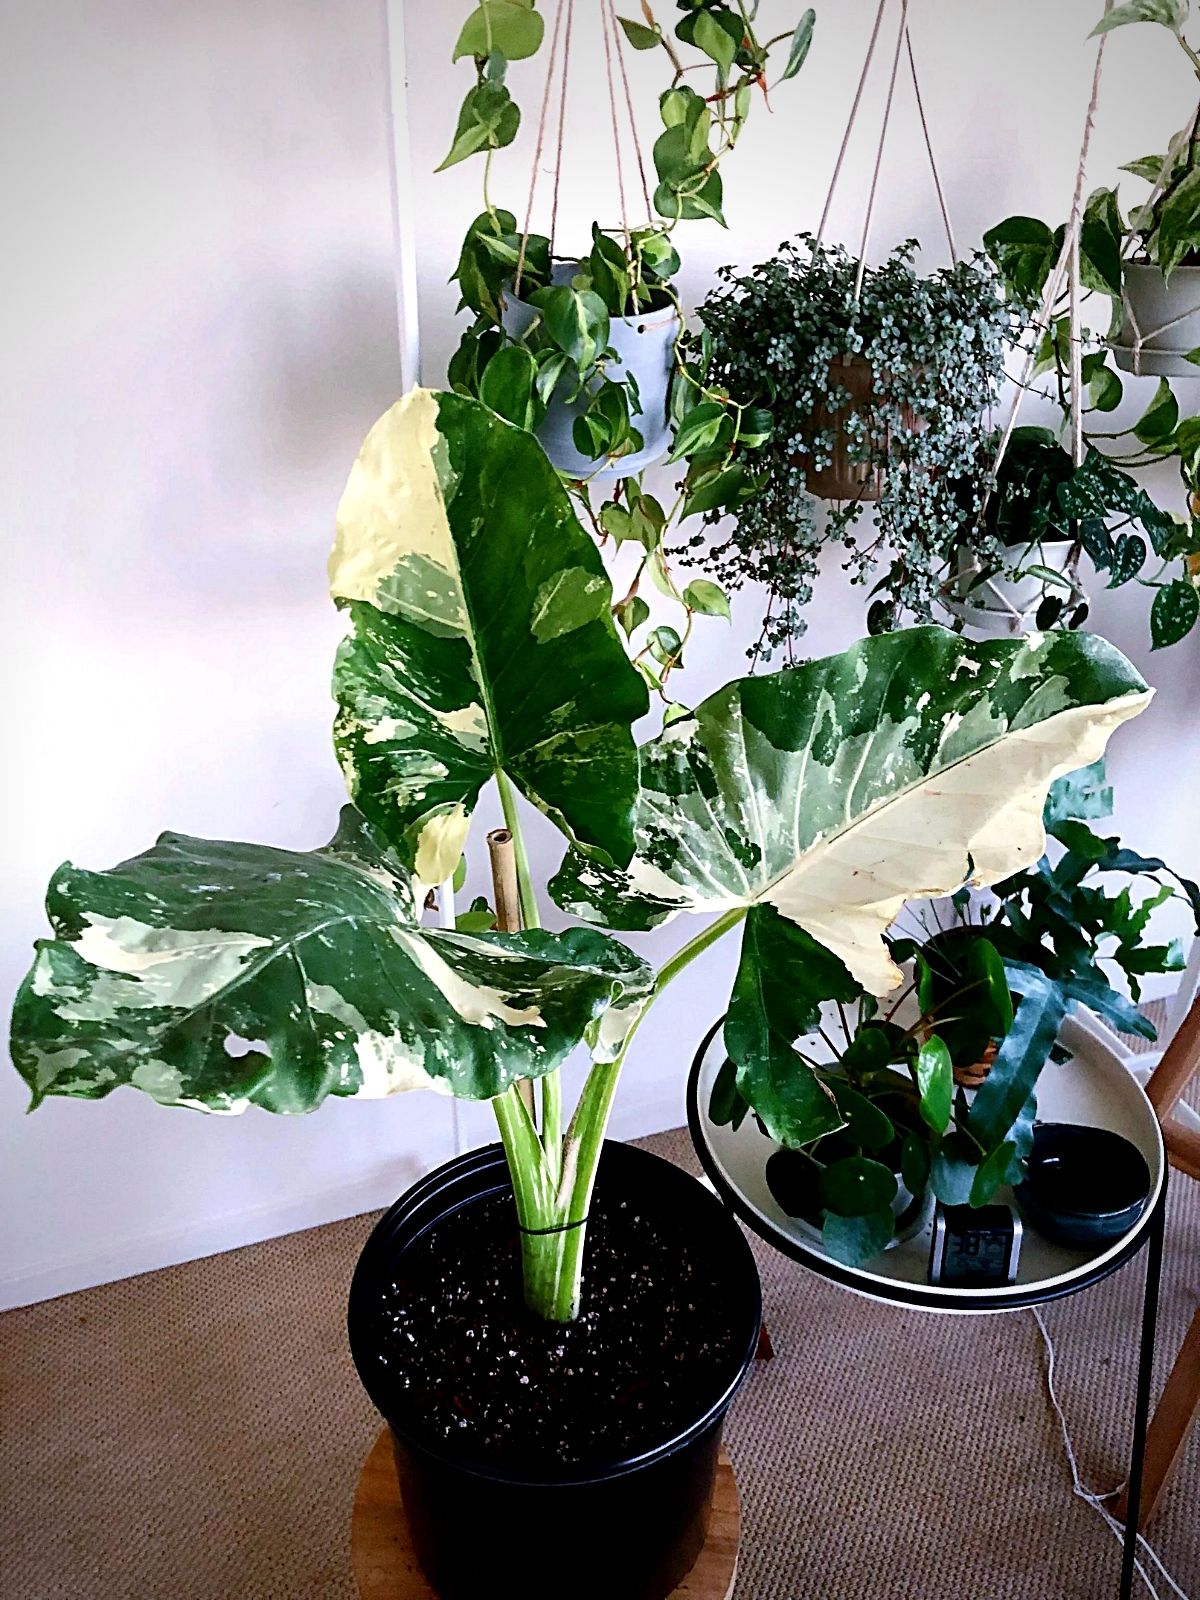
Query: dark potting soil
point(653, 1347)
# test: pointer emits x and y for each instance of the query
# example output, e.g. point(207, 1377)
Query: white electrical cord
point(1090, 1496)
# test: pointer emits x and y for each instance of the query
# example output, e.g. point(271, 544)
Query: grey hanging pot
point(1162, 322)
point(645, 348)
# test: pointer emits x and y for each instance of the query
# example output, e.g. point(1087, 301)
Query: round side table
point(1094, 1087)
point(385, 1566)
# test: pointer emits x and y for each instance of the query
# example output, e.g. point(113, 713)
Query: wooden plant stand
point(385, 1567)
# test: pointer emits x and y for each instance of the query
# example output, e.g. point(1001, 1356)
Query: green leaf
point(1085, 793)
point(1023, 1053)
point(1161, 417)
point(1105, 389)
point(866, 1124)
point(631, 614)
point(719, 490)
point(857, 1186)
point(726, 1106)
point(1174, 612)
point(918, 752)
point(1147, 167)
point(639, 35)
point(709, 36)
point(1172, 14)
point(782, 979)
point(478, 918)
point(219, 975)
point(799, 47)
point(507, 26)
point(509, 386)
point(699, 429)
point(935, 1079)
point(952, 1171)
point(992, 1172)
point(914, 1164)
point(856, 1240)
point(489, 120)
point(576, 320)
point(1178, 232)
point(707, 598)
point(463, 662)
point(1024, 251)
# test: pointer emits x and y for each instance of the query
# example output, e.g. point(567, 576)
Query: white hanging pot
point(645, 347)
point(1162, 322)
point(1000, 607)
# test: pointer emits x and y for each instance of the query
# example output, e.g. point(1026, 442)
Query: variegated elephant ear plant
point(803, 806)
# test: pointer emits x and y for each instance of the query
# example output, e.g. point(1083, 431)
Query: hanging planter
point(875, 380)
point(842, 420)
point(640, 356)
point(1161, 326)
point(1004, 601)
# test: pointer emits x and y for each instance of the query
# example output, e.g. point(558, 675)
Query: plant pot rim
point(659, 313)
point(488, 1163)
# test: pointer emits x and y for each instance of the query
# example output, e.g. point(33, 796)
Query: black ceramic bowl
point(1085, 1187)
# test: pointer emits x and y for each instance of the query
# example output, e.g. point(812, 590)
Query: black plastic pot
point(626, 1529)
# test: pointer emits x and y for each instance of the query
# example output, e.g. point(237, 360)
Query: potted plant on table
point(875, 384)
point(560, 1317)
point(589, 350)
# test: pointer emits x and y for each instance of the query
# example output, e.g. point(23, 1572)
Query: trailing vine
point(542, 338)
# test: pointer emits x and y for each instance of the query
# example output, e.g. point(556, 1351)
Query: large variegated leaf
point(482, 638)
point(834, 791)
point(220, 975)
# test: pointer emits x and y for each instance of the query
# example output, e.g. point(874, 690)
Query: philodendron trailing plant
point(801, 807)
point(591, 351)
point(873, 385)
point(1145, 266)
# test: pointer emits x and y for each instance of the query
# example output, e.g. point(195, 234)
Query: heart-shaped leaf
point(482, 640)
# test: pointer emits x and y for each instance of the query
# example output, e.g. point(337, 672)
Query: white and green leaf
point(219, 976)
point(482, 640)
point(910, 765)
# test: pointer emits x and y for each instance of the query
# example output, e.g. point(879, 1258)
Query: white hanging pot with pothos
point(641, 355)
point(1161, 326)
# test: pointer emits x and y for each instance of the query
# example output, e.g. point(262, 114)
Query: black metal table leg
point(1141, 1416)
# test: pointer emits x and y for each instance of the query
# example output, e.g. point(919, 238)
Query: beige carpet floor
point(196, 1434)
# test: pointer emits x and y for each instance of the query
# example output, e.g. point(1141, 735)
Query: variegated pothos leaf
point(219, 975)
point(482, 638)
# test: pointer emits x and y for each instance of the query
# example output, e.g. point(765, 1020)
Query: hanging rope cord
point(904, 45)
point(615, 66)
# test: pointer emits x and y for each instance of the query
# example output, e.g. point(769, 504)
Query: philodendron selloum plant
point(801, 806)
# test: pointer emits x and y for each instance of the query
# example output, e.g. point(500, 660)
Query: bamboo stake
point(503, 855)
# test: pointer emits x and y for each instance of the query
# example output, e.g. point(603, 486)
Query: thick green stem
point(585, 1138)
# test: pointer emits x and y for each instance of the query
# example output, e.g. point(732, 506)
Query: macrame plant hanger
point(903, 47)
point(620, 109)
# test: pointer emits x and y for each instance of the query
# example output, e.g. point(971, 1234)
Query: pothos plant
point(1098, 508)
point(935, 348)
point(800, 807)
point(562, 353)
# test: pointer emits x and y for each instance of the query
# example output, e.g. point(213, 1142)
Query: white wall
point(198, 327)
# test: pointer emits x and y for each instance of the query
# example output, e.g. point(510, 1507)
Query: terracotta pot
point(845, 478)
point(971, 1077)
